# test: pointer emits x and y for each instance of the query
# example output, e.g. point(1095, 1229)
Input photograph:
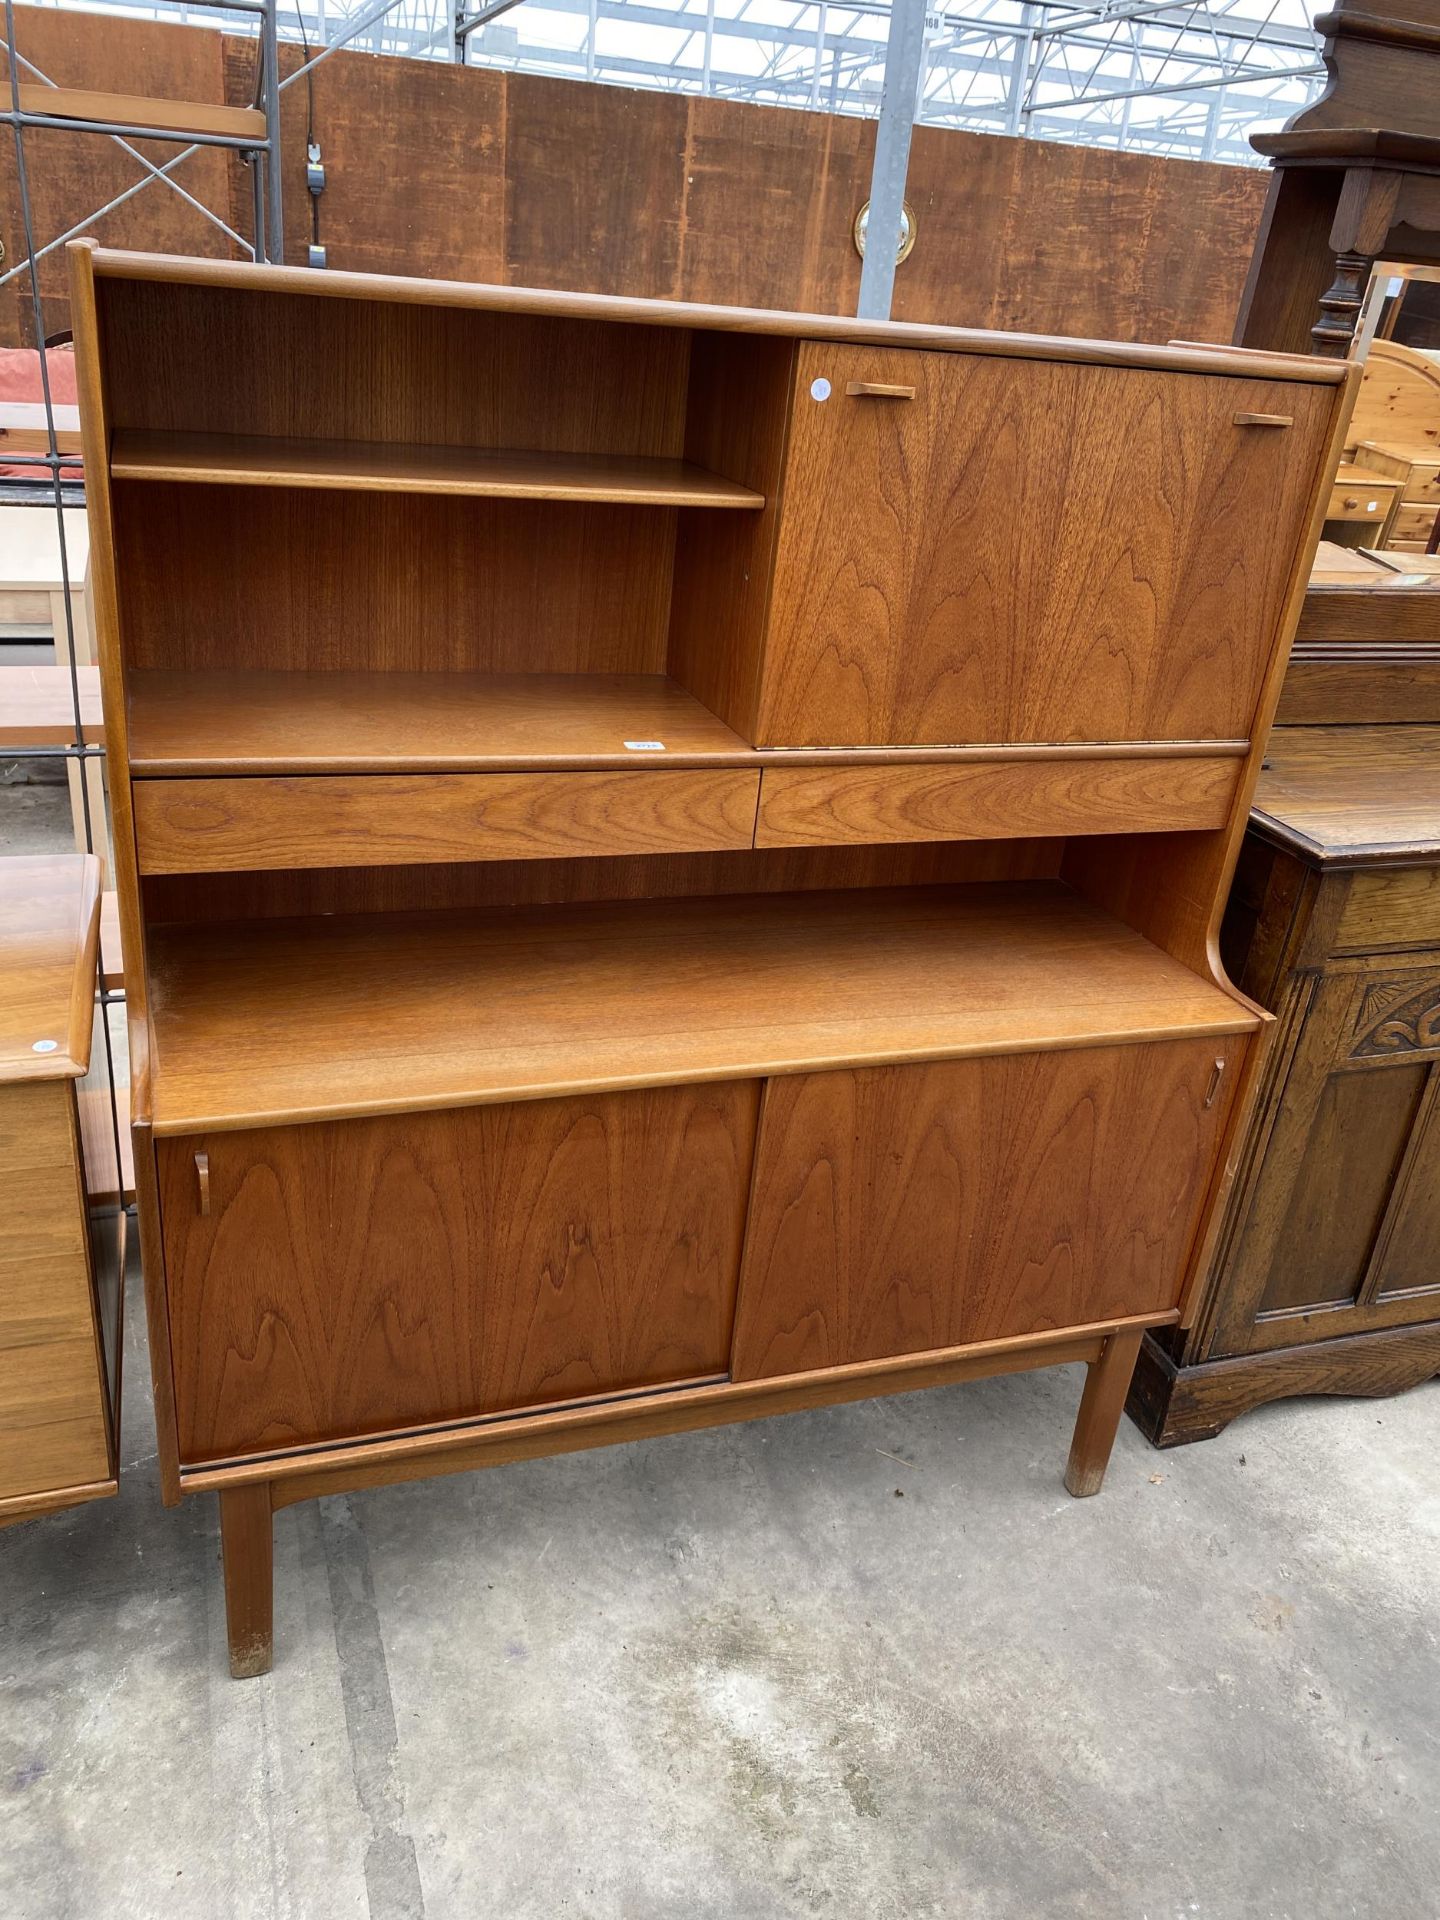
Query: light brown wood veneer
point(202, 826)
point(265, 1023)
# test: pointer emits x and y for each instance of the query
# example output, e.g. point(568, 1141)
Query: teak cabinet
point(669, 856)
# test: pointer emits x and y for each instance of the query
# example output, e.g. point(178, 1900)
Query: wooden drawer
point(1412, 525)
point(979, 549)
point(992, 800)
point(1359, 495)
point(350, 1277)
point(1398, 908)
point(363, 820)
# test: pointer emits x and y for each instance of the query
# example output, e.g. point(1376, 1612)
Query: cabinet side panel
point(901, 1209)
point(739, 413)
point(53, 1428)
point(364, 1276)
point(105, 600)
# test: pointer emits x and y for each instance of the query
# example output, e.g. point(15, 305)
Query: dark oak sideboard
point(1326, 1271)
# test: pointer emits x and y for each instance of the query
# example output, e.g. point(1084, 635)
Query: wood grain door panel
point(1339, 1194)
point(365, 1275)
point(902, 1209)
point(1028, 550)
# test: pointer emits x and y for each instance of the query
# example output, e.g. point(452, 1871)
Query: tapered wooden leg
point(1106, 1384)
point(247, 1548)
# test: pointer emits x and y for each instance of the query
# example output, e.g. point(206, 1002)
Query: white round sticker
point(820, 389)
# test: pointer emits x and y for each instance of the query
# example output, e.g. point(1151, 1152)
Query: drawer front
point(977, 549)
point(846, 806)
point(353, 1277)
point(1413, 523)
point(1399, 908)
point(363, 820)
point(906, 1209)
point(1369, 499)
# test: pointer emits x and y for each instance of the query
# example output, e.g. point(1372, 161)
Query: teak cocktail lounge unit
point(669, 856)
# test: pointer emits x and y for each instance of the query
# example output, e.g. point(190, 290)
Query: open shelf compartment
point(291, 1020)
point(254, 721)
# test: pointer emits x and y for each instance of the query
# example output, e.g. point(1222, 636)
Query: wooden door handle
point(1216, 1076)
point(202, 1174)
point(1264, 420)
point(877, 390)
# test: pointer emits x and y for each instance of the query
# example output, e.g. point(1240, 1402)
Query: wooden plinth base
point(1174, 1405)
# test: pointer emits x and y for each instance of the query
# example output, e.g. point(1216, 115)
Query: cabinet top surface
point(1352, 796)
point(113, 264)
point(49, 925)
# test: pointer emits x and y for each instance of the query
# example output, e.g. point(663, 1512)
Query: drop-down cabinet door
point(975, 548)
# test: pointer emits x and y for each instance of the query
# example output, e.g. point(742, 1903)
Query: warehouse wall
point(469, 174)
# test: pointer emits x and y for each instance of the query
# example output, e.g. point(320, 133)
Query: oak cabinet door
point(1023, 550)
point(1341, 1231)
point(905, 1209)
point(352, 1277)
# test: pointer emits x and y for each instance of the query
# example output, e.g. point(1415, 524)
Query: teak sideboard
point(669, 856)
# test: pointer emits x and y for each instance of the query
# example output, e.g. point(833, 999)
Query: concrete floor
point(870, 1663)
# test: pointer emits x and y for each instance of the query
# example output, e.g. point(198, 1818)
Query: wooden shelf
point(216, 723)
point(194, 723)
point(87, 108)
point(273, 1022)
point(37, 706)
point(244, 460)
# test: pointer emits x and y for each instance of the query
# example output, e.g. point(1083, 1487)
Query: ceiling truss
point(1159, 76)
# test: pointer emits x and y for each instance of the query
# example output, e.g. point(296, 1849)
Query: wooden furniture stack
point(1395, 434)
point(669, 855)
point(1326, 1274)
point(62, 1230)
